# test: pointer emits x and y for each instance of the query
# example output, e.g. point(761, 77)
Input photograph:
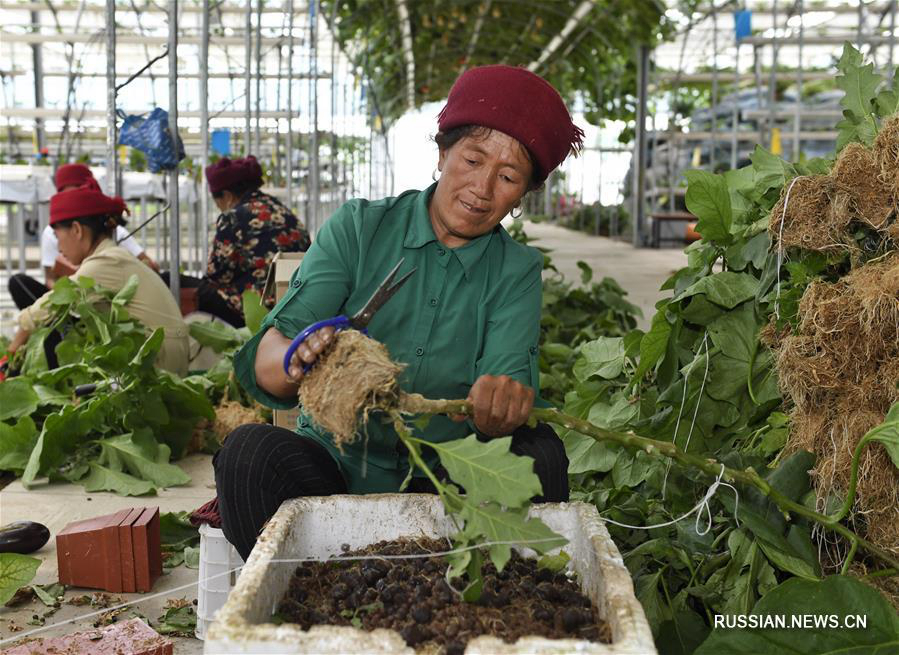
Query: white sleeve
point(130, 244)
point(49, 247)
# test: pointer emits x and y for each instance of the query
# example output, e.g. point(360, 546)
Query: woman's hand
point(269, 365)
point(308, 352)
point(500, 404)
point(19, 340)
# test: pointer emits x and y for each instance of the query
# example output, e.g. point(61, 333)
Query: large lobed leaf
point(859, 82)
point(488, 471)
point(15, 571)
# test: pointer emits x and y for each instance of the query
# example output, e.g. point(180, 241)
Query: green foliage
point(864, 101)
point(177, 620)
point(700, 378)
point(829, 602)
point(15, 571)
point(119, 438)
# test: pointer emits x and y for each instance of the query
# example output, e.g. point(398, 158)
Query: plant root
point(352, 379)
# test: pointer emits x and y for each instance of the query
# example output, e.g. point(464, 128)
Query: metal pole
point(713, 155)
point(175, 222)
point(639, 177)
point(891, 68)
point(735, 116)
point(772, 81)
point(248, 61)
point(111, 177)
point(313, 77)
point(289, 153)
point(38, 62)
point(257, 138)
point(204, 132)
point(797, 119)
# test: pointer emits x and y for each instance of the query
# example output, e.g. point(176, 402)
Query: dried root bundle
point(841, 371)
point(352, 379)
point(857, 174)
point(815, 217)
point(886, 153)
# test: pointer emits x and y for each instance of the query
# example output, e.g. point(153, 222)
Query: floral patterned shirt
point(246, 239)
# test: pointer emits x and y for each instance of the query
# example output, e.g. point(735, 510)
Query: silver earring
point(518, 215)
point(434, 175)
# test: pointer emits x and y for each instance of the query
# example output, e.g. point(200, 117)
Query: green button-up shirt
point(466, 312)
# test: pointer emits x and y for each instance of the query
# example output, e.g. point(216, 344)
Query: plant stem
point(417, 404)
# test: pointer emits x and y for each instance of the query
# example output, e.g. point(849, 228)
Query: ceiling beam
point(573, 21)
point(475, 34)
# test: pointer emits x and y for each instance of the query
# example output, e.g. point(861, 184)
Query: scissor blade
point(382, 294)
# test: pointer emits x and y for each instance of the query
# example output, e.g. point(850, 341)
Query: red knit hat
point(86, 200)
point(518, 103)
point(72, 175)
point(227, 173)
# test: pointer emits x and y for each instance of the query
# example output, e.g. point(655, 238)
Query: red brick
point(132, 637)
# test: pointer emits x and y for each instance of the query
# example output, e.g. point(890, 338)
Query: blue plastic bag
point(152, 137)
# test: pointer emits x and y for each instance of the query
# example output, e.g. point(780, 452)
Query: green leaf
point(126, 293)
point(709, 200)
point(555, 563)
point(496, 524)
point(769, 171)
point(653, 344)
point(177, 621)
point(859, 82)
point(49, 594)
point(192, 557)
point(16, 444)
point(488, 471)
point(887, 102)
point(147, 354)
point(586, 454)
point(177, 532)
point(35, 355)
point(17, 398)
point(253, 310)
point(216, 335)
point(144, 458)
point(603, 357)
point(727, 288)
point(887, 433)
point(101, 478)
point(15, 571)
point(837, 596)
point(615, 416)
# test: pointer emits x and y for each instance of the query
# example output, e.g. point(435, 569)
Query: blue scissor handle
point(338, 323)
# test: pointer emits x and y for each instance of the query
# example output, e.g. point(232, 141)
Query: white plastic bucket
point(218, 559)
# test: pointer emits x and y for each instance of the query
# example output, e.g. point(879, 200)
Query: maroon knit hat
point(83, 201)
point(72, 175)
point(519, 103)
point(227, 173)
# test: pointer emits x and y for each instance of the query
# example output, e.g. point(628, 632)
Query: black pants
point(24, 290)
point(209, 300)
point(261, 466)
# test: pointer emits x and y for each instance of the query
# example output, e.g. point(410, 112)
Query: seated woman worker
point(252, 227)
point(466, 324)
point(84, 221)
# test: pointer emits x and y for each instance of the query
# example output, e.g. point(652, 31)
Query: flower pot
point(319, 527)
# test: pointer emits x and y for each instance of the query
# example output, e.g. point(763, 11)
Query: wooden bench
point(668, 217)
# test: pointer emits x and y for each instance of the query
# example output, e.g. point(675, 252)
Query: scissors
point(358, 321)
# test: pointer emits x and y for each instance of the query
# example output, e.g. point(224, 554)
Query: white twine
point(780, 247)
point(299, 560)
point(701, 505)
point(680, 412)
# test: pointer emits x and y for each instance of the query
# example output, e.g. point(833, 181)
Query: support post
point(257, 138)
point(289, 153)
point(797, 116)
point(639, 177)
point(112, 188)
point(735, 115)
point(313, 80)
point(204, 132)
point(174, 213)
point(248, 62)
point(38, 64)
point(772, 79)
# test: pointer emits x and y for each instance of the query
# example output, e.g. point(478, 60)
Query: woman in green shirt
point(466, 324)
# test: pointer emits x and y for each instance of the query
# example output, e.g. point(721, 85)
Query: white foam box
point(277, 282)
point(318, 526)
